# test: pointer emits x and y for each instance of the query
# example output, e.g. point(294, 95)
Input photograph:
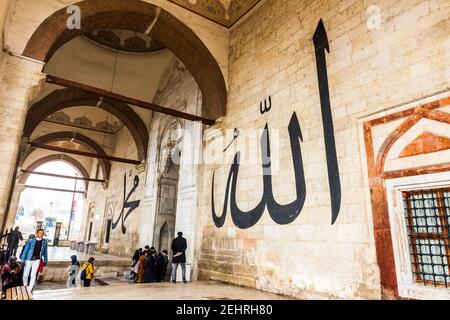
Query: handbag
point(41, 266)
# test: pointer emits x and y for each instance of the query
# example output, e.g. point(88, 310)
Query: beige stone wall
point(5, 9)
point(178, 90)
point(272, 53)
point(20, 81)
point(120, 244)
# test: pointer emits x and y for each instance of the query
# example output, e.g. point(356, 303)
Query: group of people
point(147, 265)
point(33, 259)
point(150, 266)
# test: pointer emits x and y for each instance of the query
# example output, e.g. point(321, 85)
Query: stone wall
point(20, 81)
point(121, 244)
point(371, 67)
point(5, 7)
point(178, 90)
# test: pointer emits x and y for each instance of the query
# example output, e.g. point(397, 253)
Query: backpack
point(83, 273)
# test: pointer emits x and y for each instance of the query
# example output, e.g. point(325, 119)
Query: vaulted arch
point(75, 137)
point(65, 98)
point(56, 157)
point(139, 16)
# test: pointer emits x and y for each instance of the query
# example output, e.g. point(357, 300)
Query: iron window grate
point(427, 218)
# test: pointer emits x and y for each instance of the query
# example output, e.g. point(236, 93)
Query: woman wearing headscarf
point(150, 274)
point(135, 265)
point(142, 267)
point(160, 267)
point(10, 274)
point(73, 271)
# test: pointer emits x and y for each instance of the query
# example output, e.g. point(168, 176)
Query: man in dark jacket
point(179, 246)
point(13, 239)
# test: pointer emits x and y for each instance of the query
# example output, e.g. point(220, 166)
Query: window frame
point(414, 237)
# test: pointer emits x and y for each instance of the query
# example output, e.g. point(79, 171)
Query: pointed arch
point(57, 157)
point(75, 137)
point(139, 16)
point(65, 98)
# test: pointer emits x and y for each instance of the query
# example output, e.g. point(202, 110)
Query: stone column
point(20, 81)
point(11, 216)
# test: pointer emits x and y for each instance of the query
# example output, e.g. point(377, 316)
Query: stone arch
point(137, 15)
point(57, 157)
point(419, 113)
point(78, 138)
point(65, 98)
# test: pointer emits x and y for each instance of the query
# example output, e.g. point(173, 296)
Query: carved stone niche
point(170, 149)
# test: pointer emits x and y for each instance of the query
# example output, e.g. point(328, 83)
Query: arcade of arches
point(142, 97)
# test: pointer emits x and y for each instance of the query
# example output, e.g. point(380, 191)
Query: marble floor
point(64, 254)
point(199, 290)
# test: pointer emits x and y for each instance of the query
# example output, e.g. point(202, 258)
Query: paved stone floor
point(161, 291)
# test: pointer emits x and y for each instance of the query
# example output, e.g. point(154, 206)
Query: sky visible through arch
point(37, 205)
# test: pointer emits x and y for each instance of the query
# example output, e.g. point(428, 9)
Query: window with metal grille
point(427, 214)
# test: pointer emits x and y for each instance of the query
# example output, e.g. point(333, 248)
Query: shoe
point(184, 281)
point(173, 281)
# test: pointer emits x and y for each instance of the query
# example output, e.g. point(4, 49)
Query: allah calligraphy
point(286, 214)
point(130, 205)
point(321, 44)
point(235, 136)
point(266, 107)
point(281, 214)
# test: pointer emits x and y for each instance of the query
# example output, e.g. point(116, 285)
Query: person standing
point(179, 246)
point(30, 236)
point(142, 267)
point(88, 272)
point(33, 254)
point(150, 273)
point(73, 271)
point(160, 270)
point(134, 265)
point(14, 237)
point(166, 263)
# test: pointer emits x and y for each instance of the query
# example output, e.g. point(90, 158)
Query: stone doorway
point(167, 206)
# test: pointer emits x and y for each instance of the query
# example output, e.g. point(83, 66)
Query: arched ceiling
point(133, 75)
point(125, 40)
point(138, 16)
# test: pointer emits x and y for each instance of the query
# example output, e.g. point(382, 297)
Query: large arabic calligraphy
point(130, 205)
point(281, 214)
point(285, 214)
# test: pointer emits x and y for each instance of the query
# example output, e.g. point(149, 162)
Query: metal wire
point(427, 217)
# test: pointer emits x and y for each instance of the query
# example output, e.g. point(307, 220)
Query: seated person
point(10, 275)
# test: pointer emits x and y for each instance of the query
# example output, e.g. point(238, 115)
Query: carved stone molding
point(223, 12)
point(124, 40)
